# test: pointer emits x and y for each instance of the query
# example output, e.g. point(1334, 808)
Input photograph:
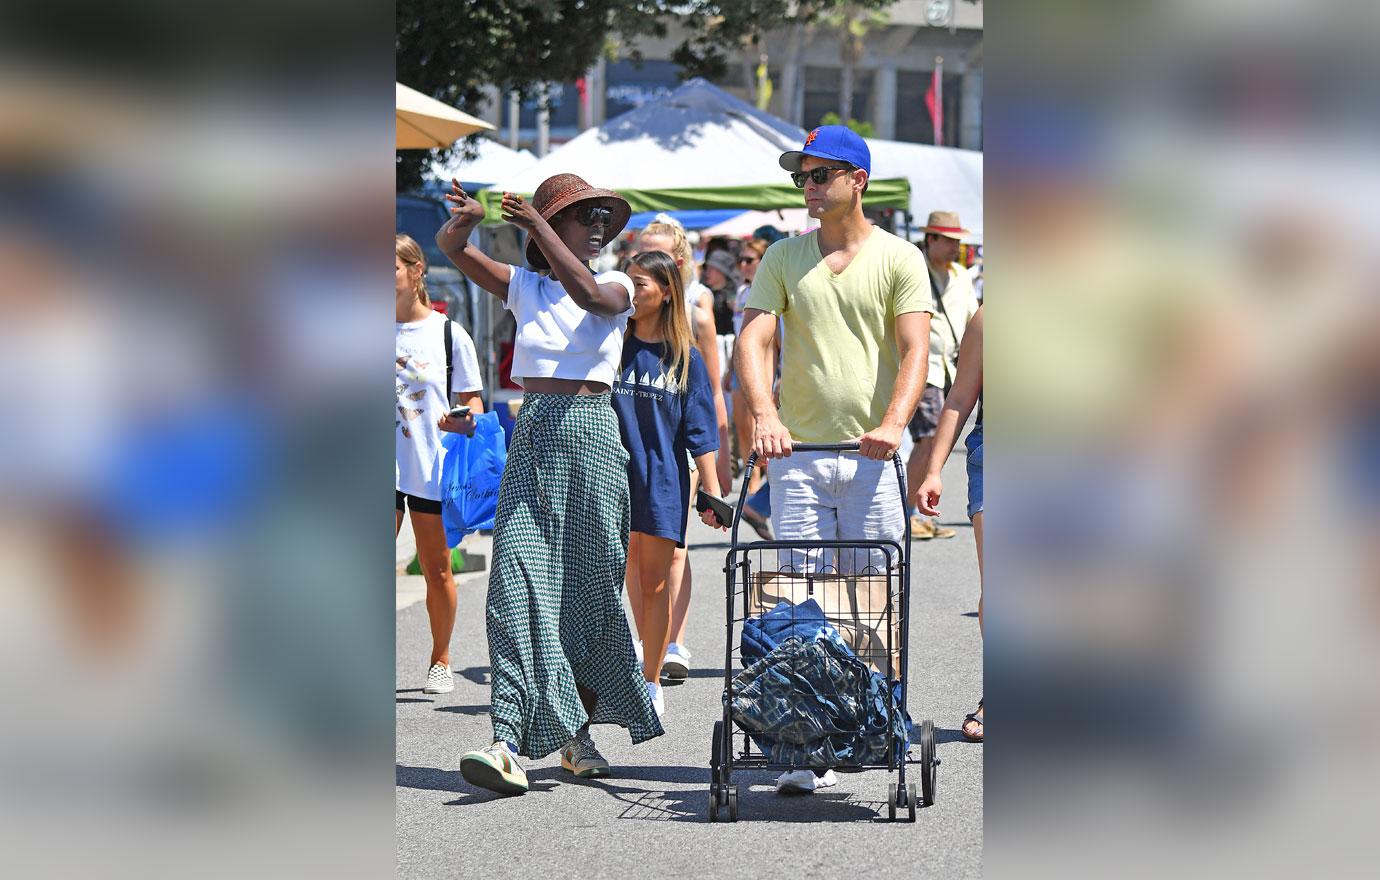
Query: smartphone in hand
point(459, 412)
point(722, 511)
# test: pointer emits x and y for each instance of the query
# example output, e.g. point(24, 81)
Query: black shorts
point(926, 418)
point(418, 505)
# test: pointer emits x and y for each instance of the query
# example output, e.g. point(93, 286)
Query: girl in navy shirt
point(666, 416)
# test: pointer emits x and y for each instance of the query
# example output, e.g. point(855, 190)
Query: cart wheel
point(891, 790)
point(910, 802)
point(732, 802)
point(929, 775)
point(714, 802)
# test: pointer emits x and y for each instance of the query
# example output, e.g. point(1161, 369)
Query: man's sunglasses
point(818, 175)
point(594, 215)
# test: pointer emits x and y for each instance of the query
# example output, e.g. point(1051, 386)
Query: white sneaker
point(439, 679)
point(658, 698)
point(494, 768)
point(676, 666)
point(804, 781)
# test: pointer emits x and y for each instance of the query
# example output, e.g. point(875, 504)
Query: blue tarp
point(690, 219)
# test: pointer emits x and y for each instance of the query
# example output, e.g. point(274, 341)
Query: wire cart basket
point(862, 588)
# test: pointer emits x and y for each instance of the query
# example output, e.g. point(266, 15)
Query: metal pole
point(543, 120)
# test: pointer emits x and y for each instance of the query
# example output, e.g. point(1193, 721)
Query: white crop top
point(557, 339)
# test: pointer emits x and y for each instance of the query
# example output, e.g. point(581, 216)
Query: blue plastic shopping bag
point(470, 473)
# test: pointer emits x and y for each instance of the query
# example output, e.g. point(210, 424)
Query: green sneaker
point(582, 758)
point(494, 768)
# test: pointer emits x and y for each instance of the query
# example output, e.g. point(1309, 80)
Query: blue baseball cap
point(838, 142)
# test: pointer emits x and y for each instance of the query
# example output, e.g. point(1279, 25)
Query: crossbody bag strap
point(939, 300)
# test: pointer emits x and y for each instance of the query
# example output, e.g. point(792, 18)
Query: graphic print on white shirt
point(420, 392)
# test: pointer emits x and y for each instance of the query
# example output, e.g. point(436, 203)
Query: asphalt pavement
point(650, 819)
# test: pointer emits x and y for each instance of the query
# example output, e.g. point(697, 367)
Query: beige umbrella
point(424, 123)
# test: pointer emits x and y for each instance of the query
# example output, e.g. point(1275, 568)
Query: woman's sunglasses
point(594, 215)
point(747, 260)
point(818, 175)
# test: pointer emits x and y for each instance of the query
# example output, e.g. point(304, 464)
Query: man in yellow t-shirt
point(854, 302)
point(855, 306)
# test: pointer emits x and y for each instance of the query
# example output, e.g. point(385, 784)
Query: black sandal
point(760, 524)
point(972, 717)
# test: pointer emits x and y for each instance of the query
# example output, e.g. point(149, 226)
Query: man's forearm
point(910, 384)
point(754, 376)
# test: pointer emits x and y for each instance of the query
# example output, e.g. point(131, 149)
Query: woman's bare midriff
point(563, 386)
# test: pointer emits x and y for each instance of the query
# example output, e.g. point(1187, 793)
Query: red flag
point(934, 101)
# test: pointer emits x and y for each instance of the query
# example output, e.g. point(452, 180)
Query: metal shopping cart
point(860, 589)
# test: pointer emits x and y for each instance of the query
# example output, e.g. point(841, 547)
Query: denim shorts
point(975, 472)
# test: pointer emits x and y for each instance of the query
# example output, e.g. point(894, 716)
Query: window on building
point(823, 89)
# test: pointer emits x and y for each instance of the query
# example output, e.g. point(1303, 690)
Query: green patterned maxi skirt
point(555, 610)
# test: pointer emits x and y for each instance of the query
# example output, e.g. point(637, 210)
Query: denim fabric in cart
point(815, 704)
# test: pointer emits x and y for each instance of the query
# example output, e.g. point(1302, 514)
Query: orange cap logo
point(810, 138)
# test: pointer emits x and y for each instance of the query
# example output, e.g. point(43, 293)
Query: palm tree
point(853, 20)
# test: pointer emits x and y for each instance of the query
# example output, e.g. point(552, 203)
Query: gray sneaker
point(581, 757)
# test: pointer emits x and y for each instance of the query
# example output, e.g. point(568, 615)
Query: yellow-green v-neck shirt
point(839, 359)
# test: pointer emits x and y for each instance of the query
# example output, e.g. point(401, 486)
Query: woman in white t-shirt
point(560, 654)
point(423, 370)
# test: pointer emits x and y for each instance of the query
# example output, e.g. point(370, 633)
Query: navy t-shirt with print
point(660, 423)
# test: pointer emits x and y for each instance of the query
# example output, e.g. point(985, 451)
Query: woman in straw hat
point(560, 653)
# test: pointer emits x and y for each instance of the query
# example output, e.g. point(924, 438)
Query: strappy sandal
point(972, 718)
point(760, 524)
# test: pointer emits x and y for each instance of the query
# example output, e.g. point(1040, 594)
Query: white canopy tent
point(494, 162)
point(941, 179)
point(702, 140)
point(698, 137)
point(792, 220)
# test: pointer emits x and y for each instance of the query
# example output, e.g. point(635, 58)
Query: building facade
point(805, 65)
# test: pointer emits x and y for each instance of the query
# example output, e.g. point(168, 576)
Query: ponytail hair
point(407, 250)
point(680, 248)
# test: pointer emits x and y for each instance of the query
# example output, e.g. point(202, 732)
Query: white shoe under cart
point(863, 589)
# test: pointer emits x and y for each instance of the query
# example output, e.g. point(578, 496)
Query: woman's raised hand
point(466, 213)
point(519, 212)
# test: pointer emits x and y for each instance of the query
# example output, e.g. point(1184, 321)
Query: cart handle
point(849, 446)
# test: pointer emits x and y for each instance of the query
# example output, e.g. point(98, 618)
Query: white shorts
point(835, 496)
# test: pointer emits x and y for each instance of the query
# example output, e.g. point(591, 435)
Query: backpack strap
point(450, 365)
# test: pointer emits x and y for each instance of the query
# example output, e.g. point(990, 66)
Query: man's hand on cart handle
point(880, 443)
point(770, 438)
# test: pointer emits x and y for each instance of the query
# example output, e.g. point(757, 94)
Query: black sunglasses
point(818, 175)
point(594, 215)
point(747, 259)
